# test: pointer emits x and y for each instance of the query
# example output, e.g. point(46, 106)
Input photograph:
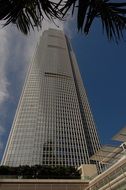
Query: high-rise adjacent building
point(53, 124)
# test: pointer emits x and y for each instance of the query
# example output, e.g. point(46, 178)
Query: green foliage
point(41, 172)
point(6, 170)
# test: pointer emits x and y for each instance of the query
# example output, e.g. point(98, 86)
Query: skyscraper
point(53, 124)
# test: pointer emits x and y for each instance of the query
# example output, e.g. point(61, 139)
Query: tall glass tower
point(53, 124)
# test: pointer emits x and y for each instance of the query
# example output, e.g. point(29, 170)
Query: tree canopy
point(29, 14)
point(40, 172)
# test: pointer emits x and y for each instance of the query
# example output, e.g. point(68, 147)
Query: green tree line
point(40, 172)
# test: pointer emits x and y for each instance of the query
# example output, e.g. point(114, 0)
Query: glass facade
point(53, 124)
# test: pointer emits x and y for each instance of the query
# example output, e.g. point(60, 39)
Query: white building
point(53, 124)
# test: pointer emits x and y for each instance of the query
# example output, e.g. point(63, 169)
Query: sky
point(102, 65)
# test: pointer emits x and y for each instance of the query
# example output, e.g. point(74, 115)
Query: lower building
point(21, 184)
point(112, 159)
point(114, 178)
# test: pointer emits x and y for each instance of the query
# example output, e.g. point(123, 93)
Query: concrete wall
point(22, 184)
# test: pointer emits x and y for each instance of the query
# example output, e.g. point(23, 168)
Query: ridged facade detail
point(53, 124)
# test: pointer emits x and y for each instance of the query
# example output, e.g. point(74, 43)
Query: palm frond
point(82, 10)
point(112, 15)
point(113, 19)
point(27, 14)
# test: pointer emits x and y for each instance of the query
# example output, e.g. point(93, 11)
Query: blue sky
point(102, 66)
point(103, 69)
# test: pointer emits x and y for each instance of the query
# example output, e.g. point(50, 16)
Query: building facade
point(53, 124)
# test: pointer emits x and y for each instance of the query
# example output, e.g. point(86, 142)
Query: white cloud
point(17, 48)
point(1, 145)
point(4, 94)
point(3, 59)
point(69, 28)
point(2, 130)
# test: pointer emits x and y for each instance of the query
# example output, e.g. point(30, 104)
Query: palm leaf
point(112, 15)
point(113, 19)
point(27, 14)
point(82, 9)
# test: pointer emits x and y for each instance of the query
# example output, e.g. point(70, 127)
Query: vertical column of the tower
point(91, 135)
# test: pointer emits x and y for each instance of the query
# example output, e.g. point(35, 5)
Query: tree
point(27, 14)
point(112, 15)
point(41, 172)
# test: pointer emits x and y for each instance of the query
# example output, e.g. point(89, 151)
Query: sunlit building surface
point(114, 159)
point(113, 178)
point(53, 124)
